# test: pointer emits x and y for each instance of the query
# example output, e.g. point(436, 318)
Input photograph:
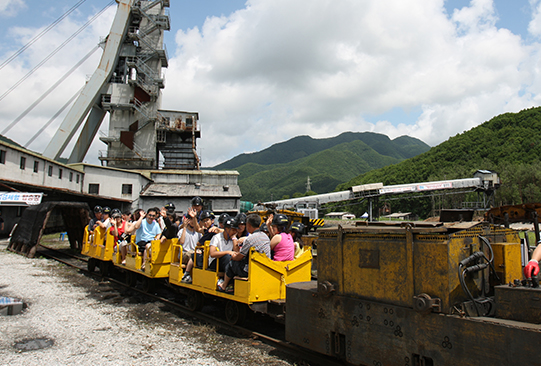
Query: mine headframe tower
point(127, 84)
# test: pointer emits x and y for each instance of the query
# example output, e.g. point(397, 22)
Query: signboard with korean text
point(20, 198)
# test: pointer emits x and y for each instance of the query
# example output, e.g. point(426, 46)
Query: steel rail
point(291, 349)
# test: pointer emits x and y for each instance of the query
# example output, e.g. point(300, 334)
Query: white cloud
point(279, 68)
point(534, 27)
point(282, 68)
point(34, 87)
point(10, 8)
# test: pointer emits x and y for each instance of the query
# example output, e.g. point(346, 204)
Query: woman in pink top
point(282, 244)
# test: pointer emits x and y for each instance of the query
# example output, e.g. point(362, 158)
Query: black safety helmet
point(98, 209)
point(241, 218)
point(107, 210)
point(231, 223)
point(297, 227)
point(264, 228)
point(197, 201)
point(280, 220)
point(222, 218)
point(169, 205)
point(207, 214)
point(115, 211)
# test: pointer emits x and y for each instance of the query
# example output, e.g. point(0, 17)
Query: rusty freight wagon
point(418, 294)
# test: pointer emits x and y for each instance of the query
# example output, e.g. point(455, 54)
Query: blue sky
point(263, 71)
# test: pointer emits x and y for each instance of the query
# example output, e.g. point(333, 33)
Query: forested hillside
point(509, 144)
point(282, 169)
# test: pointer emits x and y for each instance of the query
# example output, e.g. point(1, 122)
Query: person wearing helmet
point(221, 246)
point(195, 211)
point(170, 208)
point(169, 219)
point(282, 244)
point(97, 217)
point(207, 226)
point(105, 221)
point(221, 219)
point(297, 230)
point(118, 230)
point(189, 239)
point(238, 266)
point(197, 206)
point(241, 221)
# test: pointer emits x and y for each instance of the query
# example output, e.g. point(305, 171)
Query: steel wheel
point(194, 300)
point(91, 265)
point(147, 284)
point(235, 312)
point(104, 268)
point(130, 279)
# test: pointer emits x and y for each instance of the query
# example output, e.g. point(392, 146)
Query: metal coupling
point(423, 303)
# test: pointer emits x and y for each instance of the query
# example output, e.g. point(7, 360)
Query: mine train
point(386, 294)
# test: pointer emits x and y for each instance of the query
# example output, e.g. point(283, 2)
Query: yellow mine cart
point(264, 290)
point(156, 267)
point(99, 246)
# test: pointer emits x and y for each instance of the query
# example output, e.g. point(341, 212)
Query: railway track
point(81, 263)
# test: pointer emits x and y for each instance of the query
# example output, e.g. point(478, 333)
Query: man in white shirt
point(222, 246)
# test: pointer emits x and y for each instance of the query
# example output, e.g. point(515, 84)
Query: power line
point(53, 117)
point(44, 95)
point(55, 51)
point(41, 34)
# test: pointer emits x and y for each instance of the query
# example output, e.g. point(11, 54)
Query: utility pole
point(308, 185)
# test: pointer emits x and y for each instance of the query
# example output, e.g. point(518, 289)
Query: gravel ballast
point(75, 319)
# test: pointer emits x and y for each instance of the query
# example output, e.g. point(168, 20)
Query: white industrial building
point(22, 170)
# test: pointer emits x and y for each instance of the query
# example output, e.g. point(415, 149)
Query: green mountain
point(509, 144)
point(283, 169)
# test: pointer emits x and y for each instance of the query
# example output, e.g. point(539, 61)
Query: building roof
point(333, 214)
point(398, 215)
point(190, 190)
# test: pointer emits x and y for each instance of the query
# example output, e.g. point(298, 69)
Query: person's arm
point(215, 253)
point(137, 224)
point(182, 238)
point(130, 228)
point(114, 229)
point(157, 231)
point(532, 268)
point(236, 247)
point(272, 233)
point(237, 257)
point(276, 239)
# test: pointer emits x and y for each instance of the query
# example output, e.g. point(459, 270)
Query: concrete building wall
point(114, 183)
point(20, 165)
point(224, 177)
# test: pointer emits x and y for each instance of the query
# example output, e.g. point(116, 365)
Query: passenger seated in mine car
point(238, 266)
point(282, 244)
point(120, 234)
point(147, 229)
point(222, 246)
point(297, 230)
point(169, 218)
point(189, 239)
point(97, 217)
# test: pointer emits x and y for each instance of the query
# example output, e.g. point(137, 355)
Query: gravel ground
point(82, 321)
